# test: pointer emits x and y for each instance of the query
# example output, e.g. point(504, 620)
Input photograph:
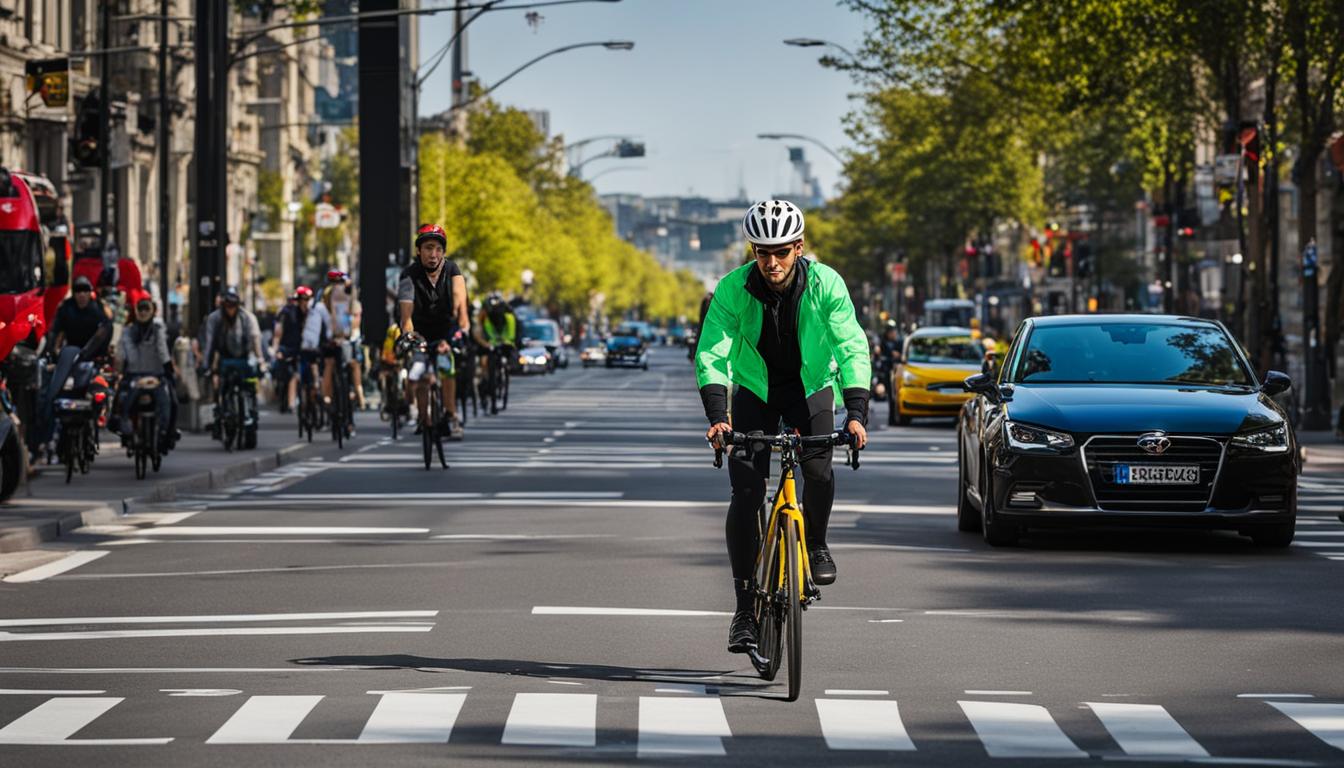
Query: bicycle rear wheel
point(141, 449)
point(793, 611)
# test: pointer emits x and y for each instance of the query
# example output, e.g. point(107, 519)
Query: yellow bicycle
point(783, 575)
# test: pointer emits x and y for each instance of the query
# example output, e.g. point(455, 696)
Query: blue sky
point(704, 78)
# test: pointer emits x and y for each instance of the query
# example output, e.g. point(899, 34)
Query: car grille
point(1102, 453)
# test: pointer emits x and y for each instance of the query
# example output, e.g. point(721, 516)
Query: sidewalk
point(1322, 449)
point(48, 508)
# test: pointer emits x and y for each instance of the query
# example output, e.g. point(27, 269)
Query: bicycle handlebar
point(756, 440)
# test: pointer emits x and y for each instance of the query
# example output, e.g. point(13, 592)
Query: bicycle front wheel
point(770, 621)
point(793, 613)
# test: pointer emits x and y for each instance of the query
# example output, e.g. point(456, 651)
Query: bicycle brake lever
point(718, 458)
point(853, 457)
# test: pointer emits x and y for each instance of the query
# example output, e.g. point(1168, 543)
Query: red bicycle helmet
point(336, 276)
point(431, 232)
point(303, 292)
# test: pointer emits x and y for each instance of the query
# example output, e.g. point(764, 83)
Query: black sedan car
point(1144, 420)
point(627, 351)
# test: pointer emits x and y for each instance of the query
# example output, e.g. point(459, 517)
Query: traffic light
point(84, 147)
point(630, 149)
point(1186, 232)
point(1082, 254)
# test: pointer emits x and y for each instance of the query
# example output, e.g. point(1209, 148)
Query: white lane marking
point(1018, 730)
point(560, 494)
point(265, 720)
point(235, 571)
point(1320, 533)
point(859, 724)
point(998, 693)
point(695, 689)
point(518, 536)
point(886, 621)
point(118, 634)
point(422, 718)
point(125, 542)
point(435, 689)
point(200, 692)
point(1316, 544)
point(898, 547)
point(345, 497)
point(1146, 730)
point(1325, 721)
point(855, 692)
point(681, 726)
point(563, 682)
point(1275, 696)
point(575, 610)
point(552, 719)
point(861, 509)
point(275, 530)
point(69, 562)
point(170, 670)
point(45, 692)
point(173, 518)
point(54, 721)
point(217, 618)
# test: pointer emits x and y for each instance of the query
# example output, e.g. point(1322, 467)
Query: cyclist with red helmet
point(288, 339)
point(432, 299)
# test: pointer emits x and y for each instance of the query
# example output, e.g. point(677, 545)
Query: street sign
point(51, 79)
point(326, 216)
point(1225, 168)
point(897, 272)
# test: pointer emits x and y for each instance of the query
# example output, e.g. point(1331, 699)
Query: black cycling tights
point(812, 416)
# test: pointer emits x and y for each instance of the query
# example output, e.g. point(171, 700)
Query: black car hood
point(1129, 408)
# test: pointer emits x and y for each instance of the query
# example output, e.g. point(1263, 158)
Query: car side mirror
point(1276, 382)
point(983, 384)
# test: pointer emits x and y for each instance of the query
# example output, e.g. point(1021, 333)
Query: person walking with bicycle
point(783, 330)
point(432, 300)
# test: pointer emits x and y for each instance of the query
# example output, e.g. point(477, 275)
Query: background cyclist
point(432, 298)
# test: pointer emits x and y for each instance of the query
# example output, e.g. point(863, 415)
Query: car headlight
point(1020, 437)
point(1272, 440)
point(909, 379)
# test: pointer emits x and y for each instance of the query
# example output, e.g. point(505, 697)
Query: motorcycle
point(144, 444)
point(79, 409)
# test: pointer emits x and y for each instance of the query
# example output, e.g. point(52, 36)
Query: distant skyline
point(704, 78)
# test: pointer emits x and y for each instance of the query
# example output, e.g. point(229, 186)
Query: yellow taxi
point(933, 355)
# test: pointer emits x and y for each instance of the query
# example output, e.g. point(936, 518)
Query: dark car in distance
point(1141, 420)
point(627, 351)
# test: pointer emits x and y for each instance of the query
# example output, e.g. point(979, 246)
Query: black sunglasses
point(775, 253)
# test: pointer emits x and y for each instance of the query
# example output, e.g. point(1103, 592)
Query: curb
point(19, 538)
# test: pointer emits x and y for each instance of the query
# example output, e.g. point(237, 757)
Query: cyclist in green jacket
point(783, 330)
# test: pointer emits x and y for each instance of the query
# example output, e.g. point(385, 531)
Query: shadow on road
point(727, 681)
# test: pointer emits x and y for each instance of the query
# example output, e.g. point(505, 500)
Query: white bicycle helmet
point(773, 222)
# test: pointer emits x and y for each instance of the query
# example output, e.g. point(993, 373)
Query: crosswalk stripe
point(1018, 730)
point(54, 721)
point(265, 720)
point(681, 726)
point(1324, 721)
point(853, 724)
point(552, 719)
point(426, 718)
point(1146, 730)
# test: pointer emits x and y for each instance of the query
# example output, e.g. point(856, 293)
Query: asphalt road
point(561, 595)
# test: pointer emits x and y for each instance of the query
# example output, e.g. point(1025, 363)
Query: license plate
point(1153, 474)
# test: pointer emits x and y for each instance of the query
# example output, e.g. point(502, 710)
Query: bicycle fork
point(785, 505)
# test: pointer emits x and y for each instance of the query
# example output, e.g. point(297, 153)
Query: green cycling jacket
point(833, 345)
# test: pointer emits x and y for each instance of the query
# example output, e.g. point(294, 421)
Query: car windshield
point(624, 341)
point(20, 257)
point(1131, 353)
point(945, 350)
point(540, 332)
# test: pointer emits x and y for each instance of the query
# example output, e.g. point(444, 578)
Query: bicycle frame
point(785, 506)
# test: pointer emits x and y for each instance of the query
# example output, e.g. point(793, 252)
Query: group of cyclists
point(317, 335)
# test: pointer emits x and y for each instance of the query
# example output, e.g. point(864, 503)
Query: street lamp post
point(800, 137)
point(812, 42)
point(611, 45)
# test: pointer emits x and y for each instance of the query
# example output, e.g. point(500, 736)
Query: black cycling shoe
point(823, 566)
point(742, 632)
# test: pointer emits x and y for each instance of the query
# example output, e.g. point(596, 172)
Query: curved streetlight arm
point(610, 44)
point(801, 137)
point(577, 170)
point(812, 42)
point(591, 139)
point(617, 169)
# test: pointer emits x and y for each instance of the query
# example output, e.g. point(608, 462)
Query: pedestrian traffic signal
point(1186, 232)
